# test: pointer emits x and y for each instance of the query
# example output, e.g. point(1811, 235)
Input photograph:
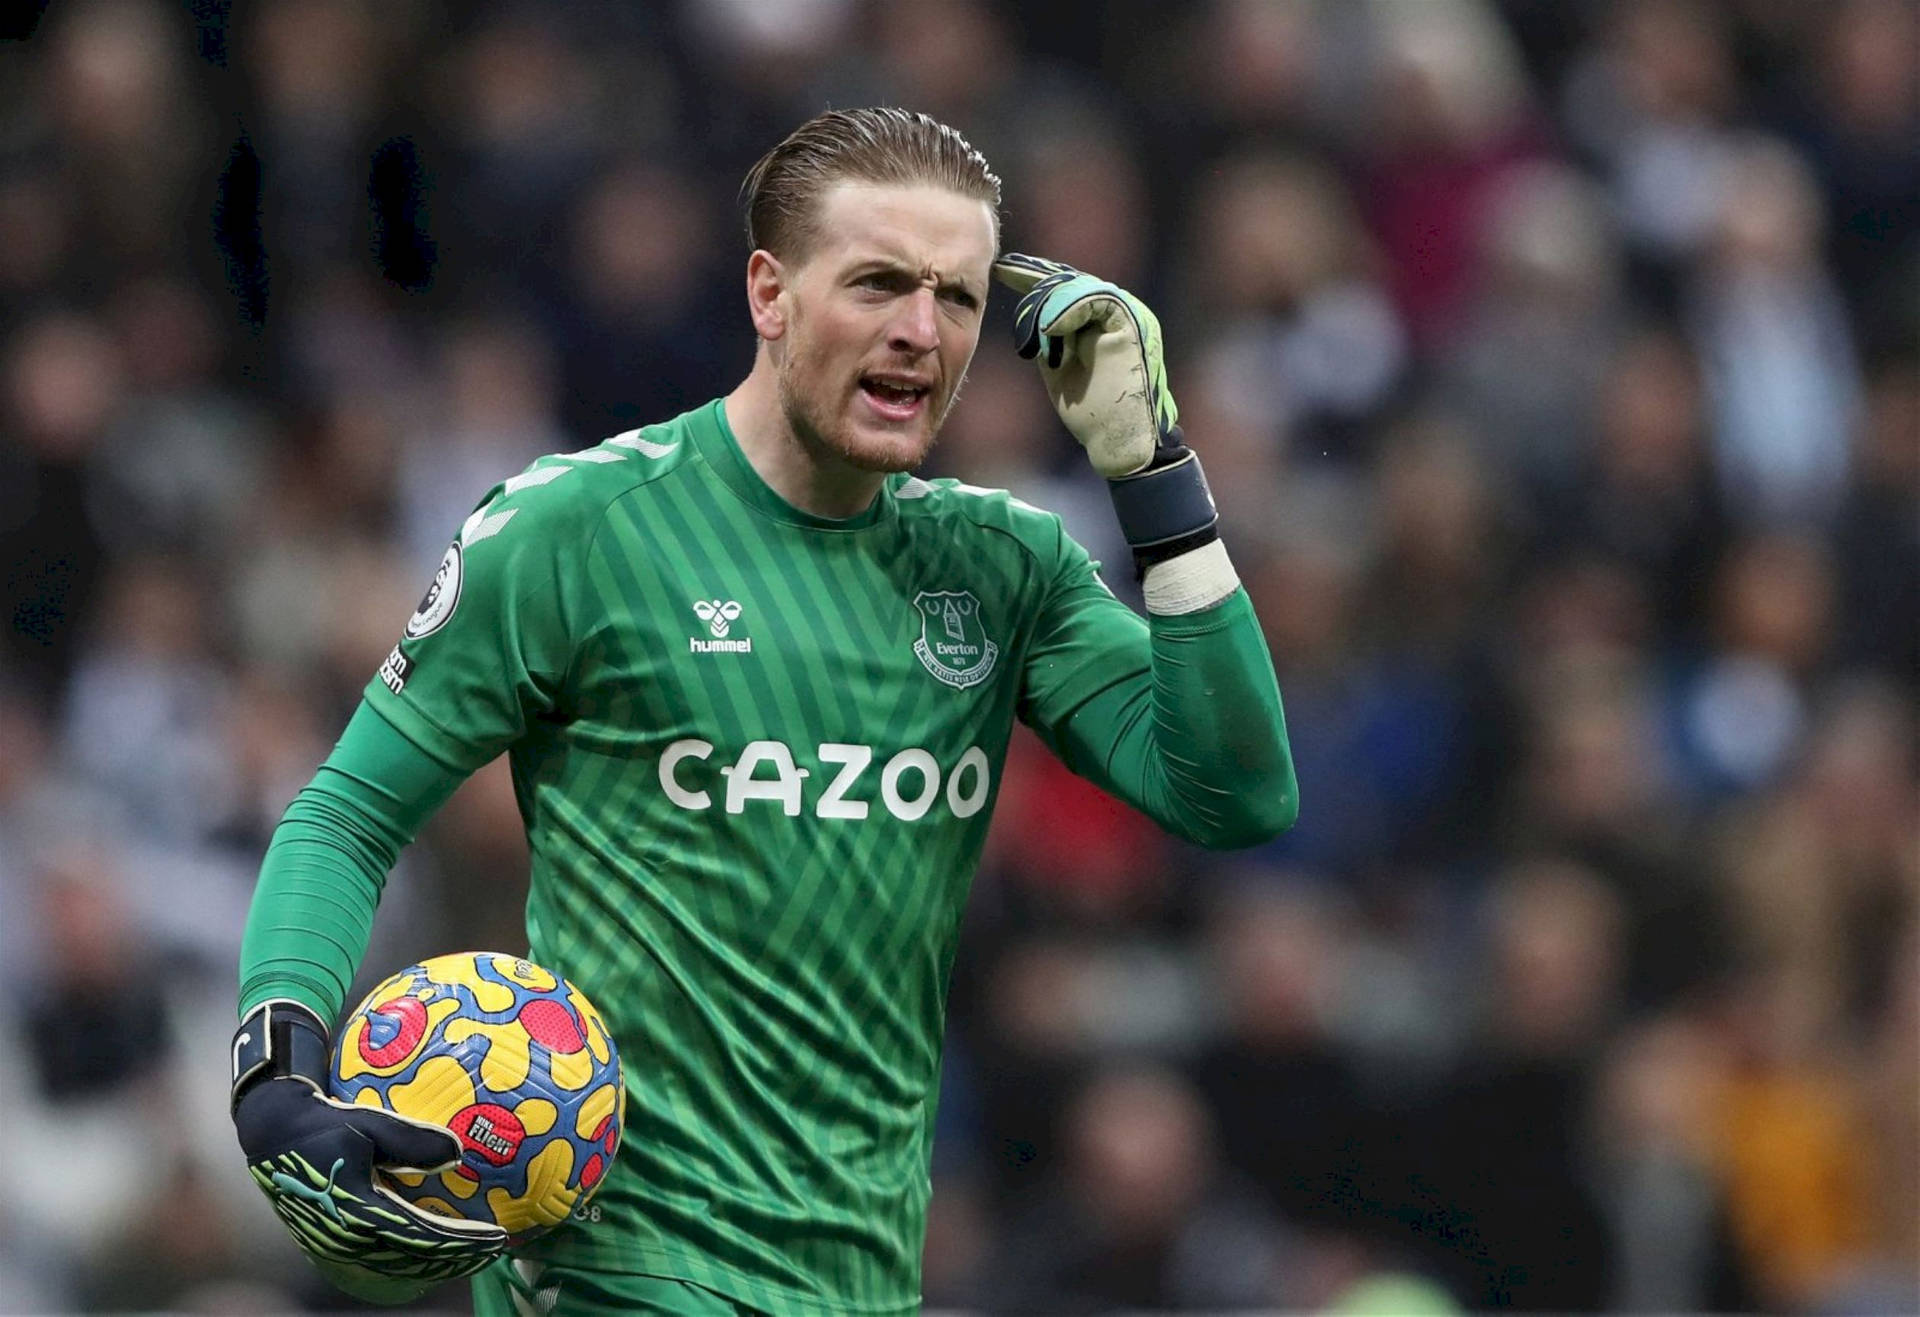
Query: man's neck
point(822, 486)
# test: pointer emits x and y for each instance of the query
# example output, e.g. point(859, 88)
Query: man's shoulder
point(996, 512)
point(570, 491)
point(632, 458)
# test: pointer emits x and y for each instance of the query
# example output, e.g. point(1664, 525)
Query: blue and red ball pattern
point(515, 1061)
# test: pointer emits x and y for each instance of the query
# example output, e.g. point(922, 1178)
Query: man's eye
point(879, 283)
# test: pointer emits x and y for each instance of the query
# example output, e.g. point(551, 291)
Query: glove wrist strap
point(279, 1039)
point(1165, 510)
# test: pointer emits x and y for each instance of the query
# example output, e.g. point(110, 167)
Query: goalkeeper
point(755, 681)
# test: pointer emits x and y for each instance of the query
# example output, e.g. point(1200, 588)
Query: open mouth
point(894, 399)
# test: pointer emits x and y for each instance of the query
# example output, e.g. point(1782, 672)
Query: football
point(515, 1061)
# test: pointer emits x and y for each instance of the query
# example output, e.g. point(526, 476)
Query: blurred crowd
point(1556, 364)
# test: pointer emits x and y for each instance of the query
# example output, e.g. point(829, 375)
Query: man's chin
point(886, 458)
point(881, 451)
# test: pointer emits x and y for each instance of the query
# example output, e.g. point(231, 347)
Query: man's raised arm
point(1179, 716)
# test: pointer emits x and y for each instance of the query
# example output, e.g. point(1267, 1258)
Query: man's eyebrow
point(894, 265)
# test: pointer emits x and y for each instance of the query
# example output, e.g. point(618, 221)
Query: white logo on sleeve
point(441, 598)
point(719, 615)
point(394, 672)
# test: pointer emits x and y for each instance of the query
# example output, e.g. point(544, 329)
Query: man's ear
point(766, 282)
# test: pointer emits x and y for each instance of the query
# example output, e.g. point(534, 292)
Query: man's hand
point(315, 1157)
point(1099, 352)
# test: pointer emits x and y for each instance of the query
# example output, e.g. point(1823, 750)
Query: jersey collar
point(715, 441)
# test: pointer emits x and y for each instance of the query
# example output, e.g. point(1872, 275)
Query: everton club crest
point(953, 643)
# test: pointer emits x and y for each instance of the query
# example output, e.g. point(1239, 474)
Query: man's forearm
point(323, 873)
point(313, 908)
point(1199, 744)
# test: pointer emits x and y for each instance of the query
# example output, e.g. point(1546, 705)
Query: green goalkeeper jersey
point(756, 752)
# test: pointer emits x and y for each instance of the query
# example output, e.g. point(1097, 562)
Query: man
point(756, 683)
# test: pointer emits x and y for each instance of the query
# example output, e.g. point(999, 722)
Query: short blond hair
point(881, 144)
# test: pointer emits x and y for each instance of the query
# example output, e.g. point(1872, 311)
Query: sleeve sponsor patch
point(395, 671)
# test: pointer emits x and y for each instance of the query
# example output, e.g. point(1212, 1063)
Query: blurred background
point(1557, 364)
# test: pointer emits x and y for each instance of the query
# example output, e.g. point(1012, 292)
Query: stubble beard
point(827, 441)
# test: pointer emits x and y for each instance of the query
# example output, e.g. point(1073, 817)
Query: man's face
point(882, 316)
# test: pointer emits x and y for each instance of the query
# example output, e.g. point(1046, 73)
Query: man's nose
point(914, 328)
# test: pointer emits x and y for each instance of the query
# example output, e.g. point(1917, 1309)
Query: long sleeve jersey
point(756, 752)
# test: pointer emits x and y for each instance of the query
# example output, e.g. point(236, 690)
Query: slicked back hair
point(781, 194)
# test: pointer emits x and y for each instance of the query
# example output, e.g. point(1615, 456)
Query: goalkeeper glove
point(314, 1158)
point(1099, 352)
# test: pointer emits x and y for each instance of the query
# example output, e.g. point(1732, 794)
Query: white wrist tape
point(1193, 581)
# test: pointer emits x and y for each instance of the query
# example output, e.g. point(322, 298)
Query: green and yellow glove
point(1098, 347)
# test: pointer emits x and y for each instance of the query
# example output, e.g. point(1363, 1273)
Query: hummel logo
point(719, 615)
